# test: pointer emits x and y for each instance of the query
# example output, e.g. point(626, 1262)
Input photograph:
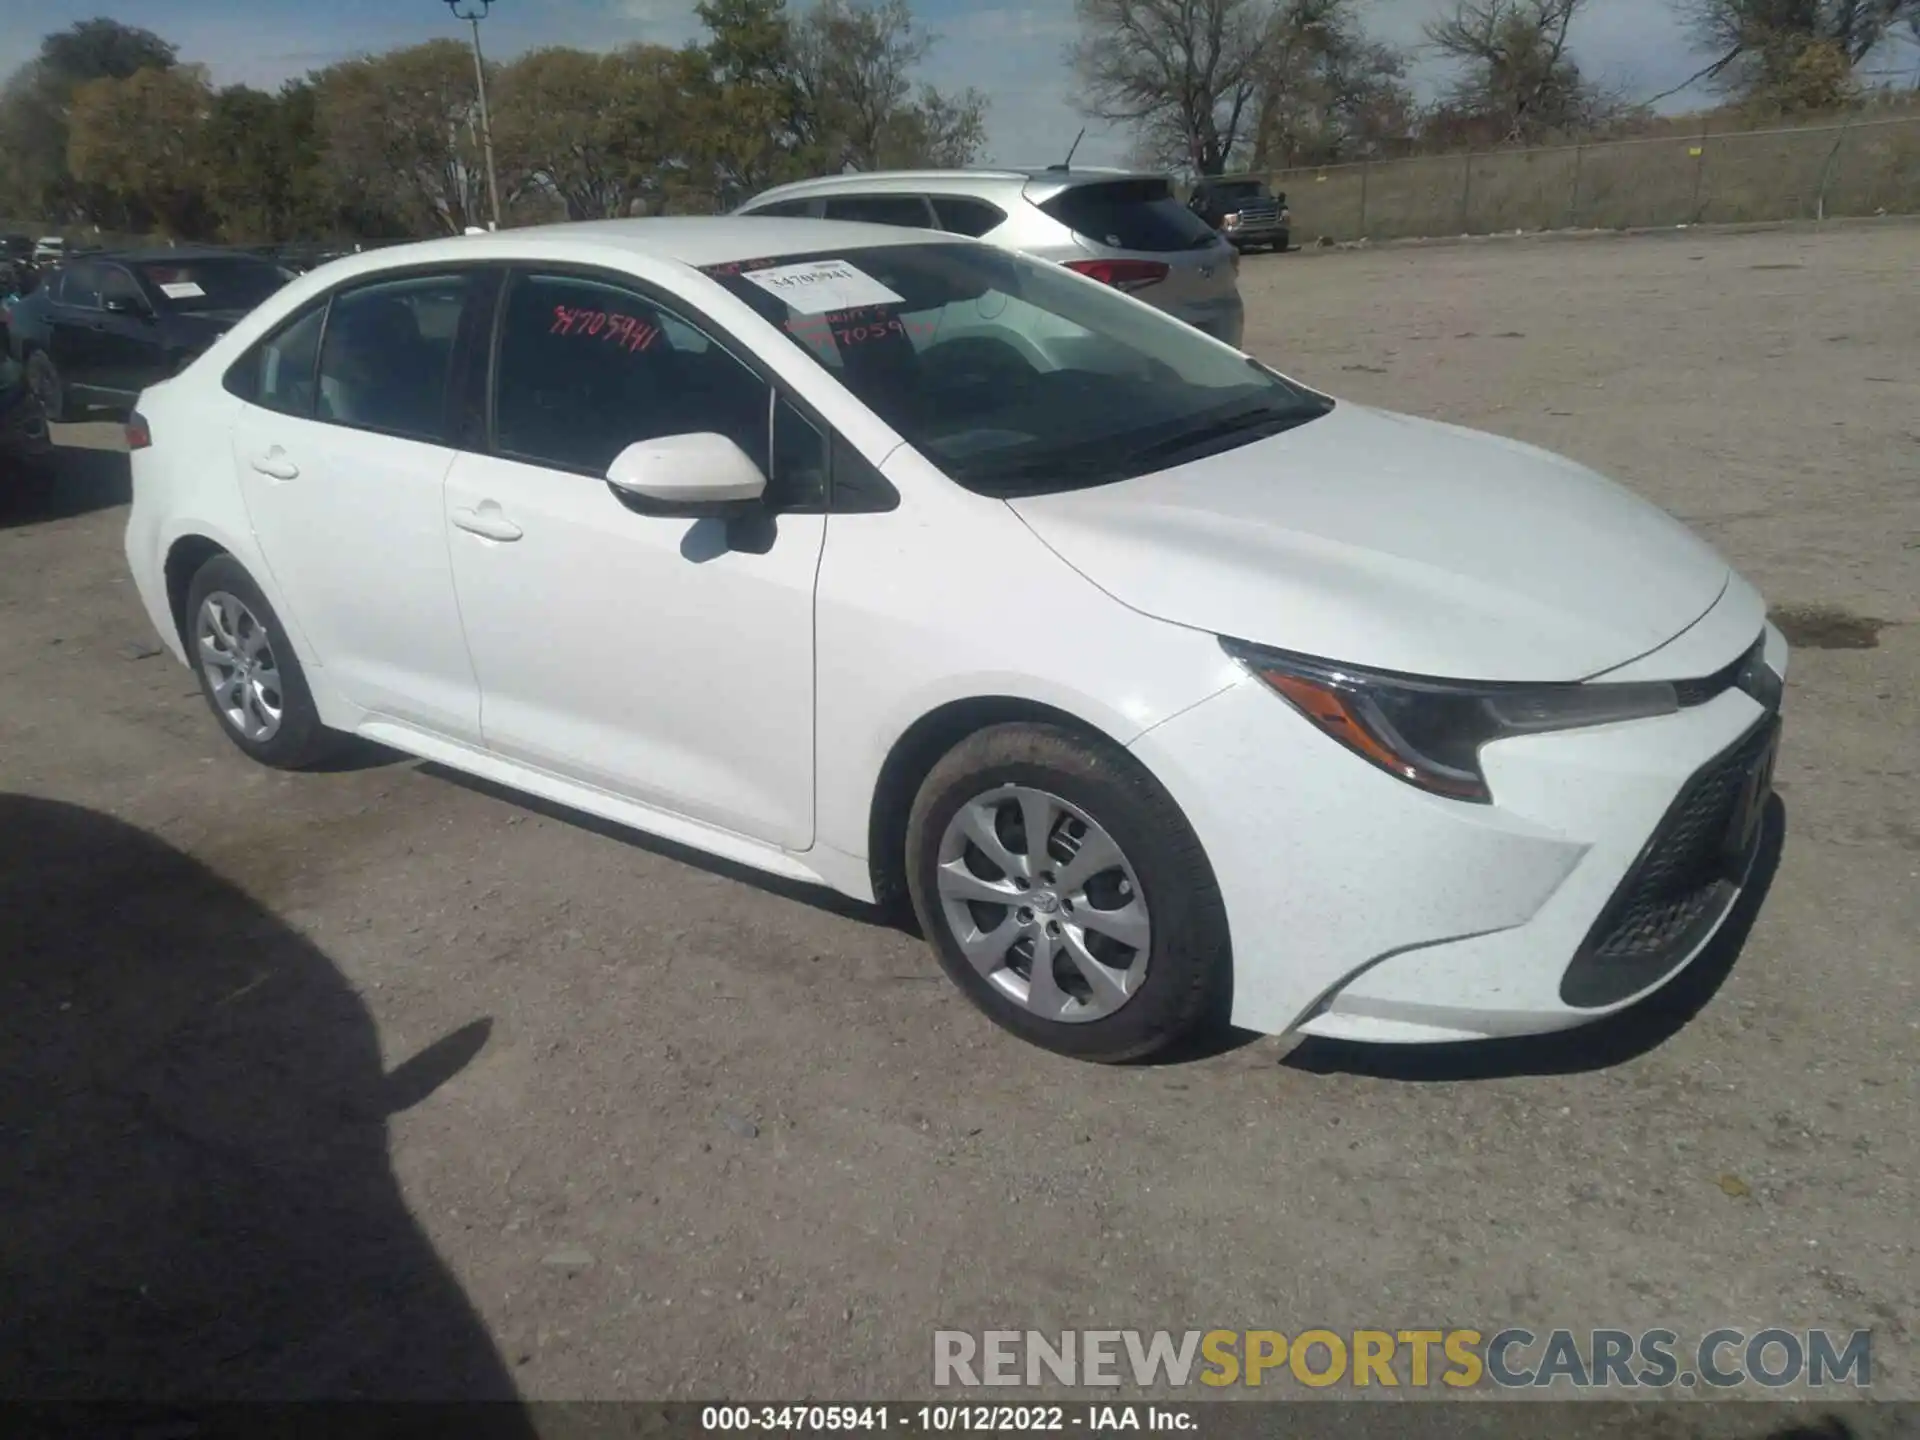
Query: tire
point(1170, 989)
point(43, 379)
point(294, 738)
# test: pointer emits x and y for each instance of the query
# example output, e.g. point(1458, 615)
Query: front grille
point(1257, 212)
point(1684, 879)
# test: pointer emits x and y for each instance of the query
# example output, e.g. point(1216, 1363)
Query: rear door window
point(387, 355)
point(1130, 215)
point(906, 210)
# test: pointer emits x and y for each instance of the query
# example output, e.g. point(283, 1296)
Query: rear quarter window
point(966, 215)
point(1130, 215)
point(796, 209)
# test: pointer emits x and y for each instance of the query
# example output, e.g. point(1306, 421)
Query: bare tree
point(1183, 73)
point(1328, 91)
point(1517, 77)
point(1793, 54)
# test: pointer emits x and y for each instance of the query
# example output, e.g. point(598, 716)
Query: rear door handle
point(487, 522)
point(276, 464)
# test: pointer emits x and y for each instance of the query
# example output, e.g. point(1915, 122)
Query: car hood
point(1394, 543)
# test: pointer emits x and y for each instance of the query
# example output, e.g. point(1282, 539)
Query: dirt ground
point(655, 1128)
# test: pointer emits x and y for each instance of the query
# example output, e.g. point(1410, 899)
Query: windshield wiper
point(1263, 418)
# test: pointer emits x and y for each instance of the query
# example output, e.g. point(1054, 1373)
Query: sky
point(1012, 50)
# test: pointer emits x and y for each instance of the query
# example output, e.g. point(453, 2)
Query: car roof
point(164, 254)
point(1040, 182)
point(689, 240)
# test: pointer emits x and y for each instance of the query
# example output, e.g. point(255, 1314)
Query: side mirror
point(126, 305)
point(695, 476)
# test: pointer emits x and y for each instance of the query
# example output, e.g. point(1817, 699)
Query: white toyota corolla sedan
point(1170, 690)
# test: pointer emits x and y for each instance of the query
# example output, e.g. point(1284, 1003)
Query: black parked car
point(1244, 210)
point(26, 452)
point(104, 327)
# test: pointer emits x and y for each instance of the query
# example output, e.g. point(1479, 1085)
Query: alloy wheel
point(1044, 904)
point(236, 652)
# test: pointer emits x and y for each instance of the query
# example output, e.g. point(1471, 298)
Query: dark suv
point(1244, 210)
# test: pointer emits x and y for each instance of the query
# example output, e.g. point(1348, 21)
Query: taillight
point(1126, 275)
point(139, 437)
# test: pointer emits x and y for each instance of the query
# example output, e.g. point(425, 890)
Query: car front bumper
point(1363, 909)
point(1261, 232)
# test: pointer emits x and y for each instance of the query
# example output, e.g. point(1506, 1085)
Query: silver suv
point(1128, 230)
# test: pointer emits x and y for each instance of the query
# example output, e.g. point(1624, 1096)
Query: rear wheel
point(43, 379)
point(248, 672)
point(27, 487)
point(1065, 893)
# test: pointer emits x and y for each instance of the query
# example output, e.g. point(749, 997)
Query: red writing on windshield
point(623, 330)
point(856, 327)
point(734, 267)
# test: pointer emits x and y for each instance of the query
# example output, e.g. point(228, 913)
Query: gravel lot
point(662, 1129)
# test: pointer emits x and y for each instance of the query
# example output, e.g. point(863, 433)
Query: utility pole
point(473, 12)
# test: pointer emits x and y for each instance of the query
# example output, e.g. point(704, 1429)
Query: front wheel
point(1065, 893)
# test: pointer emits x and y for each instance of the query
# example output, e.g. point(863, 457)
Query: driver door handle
point(487, 522)
point(276, 464)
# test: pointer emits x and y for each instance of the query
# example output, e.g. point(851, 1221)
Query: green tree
point(399, 134)
point(262, 165)
point(34, 108)
point(835, 88)
point(595, 135)
point(136, 145)
point(751, 126)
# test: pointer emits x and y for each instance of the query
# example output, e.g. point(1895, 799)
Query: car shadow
point(81, 482)
point(193, 1149)
point(354, 753)
point(1620, 1037)
point(818, 896)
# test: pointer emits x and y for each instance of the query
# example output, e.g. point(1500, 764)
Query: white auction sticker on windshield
point(820, 287)
point(182, 290)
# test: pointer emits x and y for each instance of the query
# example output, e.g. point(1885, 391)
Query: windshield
point(1014, 376)
point(236, 283)
point(1238, 190)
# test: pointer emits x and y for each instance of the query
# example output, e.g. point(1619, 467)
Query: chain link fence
point(1864, 167)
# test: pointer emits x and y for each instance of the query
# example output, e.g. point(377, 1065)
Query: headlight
point(1429, 732)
